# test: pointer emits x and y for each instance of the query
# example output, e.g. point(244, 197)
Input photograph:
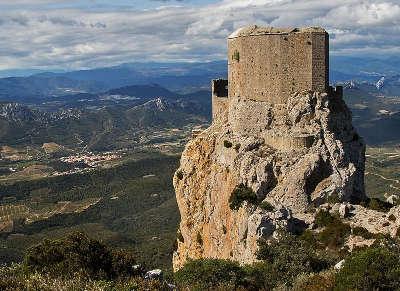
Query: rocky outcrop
point(302, 153)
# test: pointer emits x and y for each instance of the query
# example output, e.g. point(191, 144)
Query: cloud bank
point(42, 34)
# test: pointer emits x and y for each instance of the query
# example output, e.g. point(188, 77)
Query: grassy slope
point(143, 218)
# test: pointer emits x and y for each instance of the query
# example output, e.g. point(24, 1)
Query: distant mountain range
point(113, 101)
point(101, 121)
point(178, 77)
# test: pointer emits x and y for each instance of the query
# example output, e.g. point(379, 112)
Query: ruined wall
point(271, 65)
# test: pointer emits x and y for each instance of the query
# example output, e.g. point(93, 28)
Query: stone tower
point(269, 64)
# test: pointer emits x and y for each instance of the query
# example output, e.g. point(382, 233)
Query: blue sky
point(75, 34)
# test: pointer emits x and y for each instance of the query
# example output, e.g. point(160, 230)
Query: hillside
point(131, 205)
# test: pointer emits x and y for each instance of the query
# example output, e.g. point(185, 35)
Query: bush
point(323, 281)
point(324, 218)
point(122, 264)
point(309, 238)
point(335, 231)
point(15, 279)
point(260, 276)
point(227, 144)
point(242, 193)
point(206, 274)
point(334, 234)
point(363, 232)
point(291, 256)
point(370, 269)
point(377, 204)
point(267, 206)
point(77, 253)
point(392, 217)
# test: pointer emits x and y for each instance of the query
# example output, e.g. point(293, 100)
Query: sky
point(81, 34)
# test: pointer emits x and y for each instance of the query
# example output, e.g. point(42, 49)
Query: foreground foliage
point(375, 268)
point(78, 253)
point(291, 262)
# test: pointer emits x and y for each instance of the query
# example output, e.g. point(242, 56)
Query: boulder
point(155, 274)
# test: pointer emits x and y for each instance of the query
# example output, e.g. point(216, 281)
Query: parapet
point(269, 64)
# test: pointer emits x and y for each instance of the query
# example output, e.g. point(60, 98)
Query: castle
point(279, 129)
point(269, 64)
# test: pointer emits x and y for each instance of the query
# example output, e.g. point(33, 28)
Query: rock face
point(292, 155)
point(288, 175)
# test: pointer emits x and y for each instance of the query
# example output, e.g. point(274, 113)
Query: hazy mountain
point(182, 77)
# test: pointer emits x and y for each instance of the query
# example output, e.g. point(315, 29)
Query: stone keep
point(269, 64)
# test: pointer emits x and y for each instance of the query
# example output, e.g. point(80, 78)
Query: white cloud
point(78, 38)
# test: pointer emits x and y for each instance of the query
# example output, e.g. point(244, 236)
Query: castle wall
point(270, 67)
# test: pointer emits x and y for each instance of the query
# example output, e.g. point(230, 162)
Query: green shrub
point(122, 264)
point(377, 204)
point(267, 206)
point(237, 147)
point(333, 198)
point(227, 144)
point(309, 238)
point(335, 231)
point(370, 269)
point(324, 218)
point(14, 278)
point(392, 217)
point(363, 232)
point(291, 256)
point(324, 281)
point(334, 234)
point(206, 274)
point(260, 276)
point(77, 253)
point(241, 193)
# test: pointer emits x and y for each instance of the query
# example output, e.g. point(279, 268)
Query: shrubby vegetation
point(143, 208)
point(267, 206)
point(290, 256)
point(240, 194)
point(292, 262)
point(334, 232)
point(375, 268)
point(76, 262)
point(78, 253)
point(206, 274)
point(377, 204)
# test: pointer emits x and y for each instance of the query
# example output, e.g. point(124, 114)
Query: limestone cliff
point(292, 155)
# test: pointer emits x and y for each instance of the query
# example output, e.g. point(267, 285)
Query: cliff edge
point(260, 166)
